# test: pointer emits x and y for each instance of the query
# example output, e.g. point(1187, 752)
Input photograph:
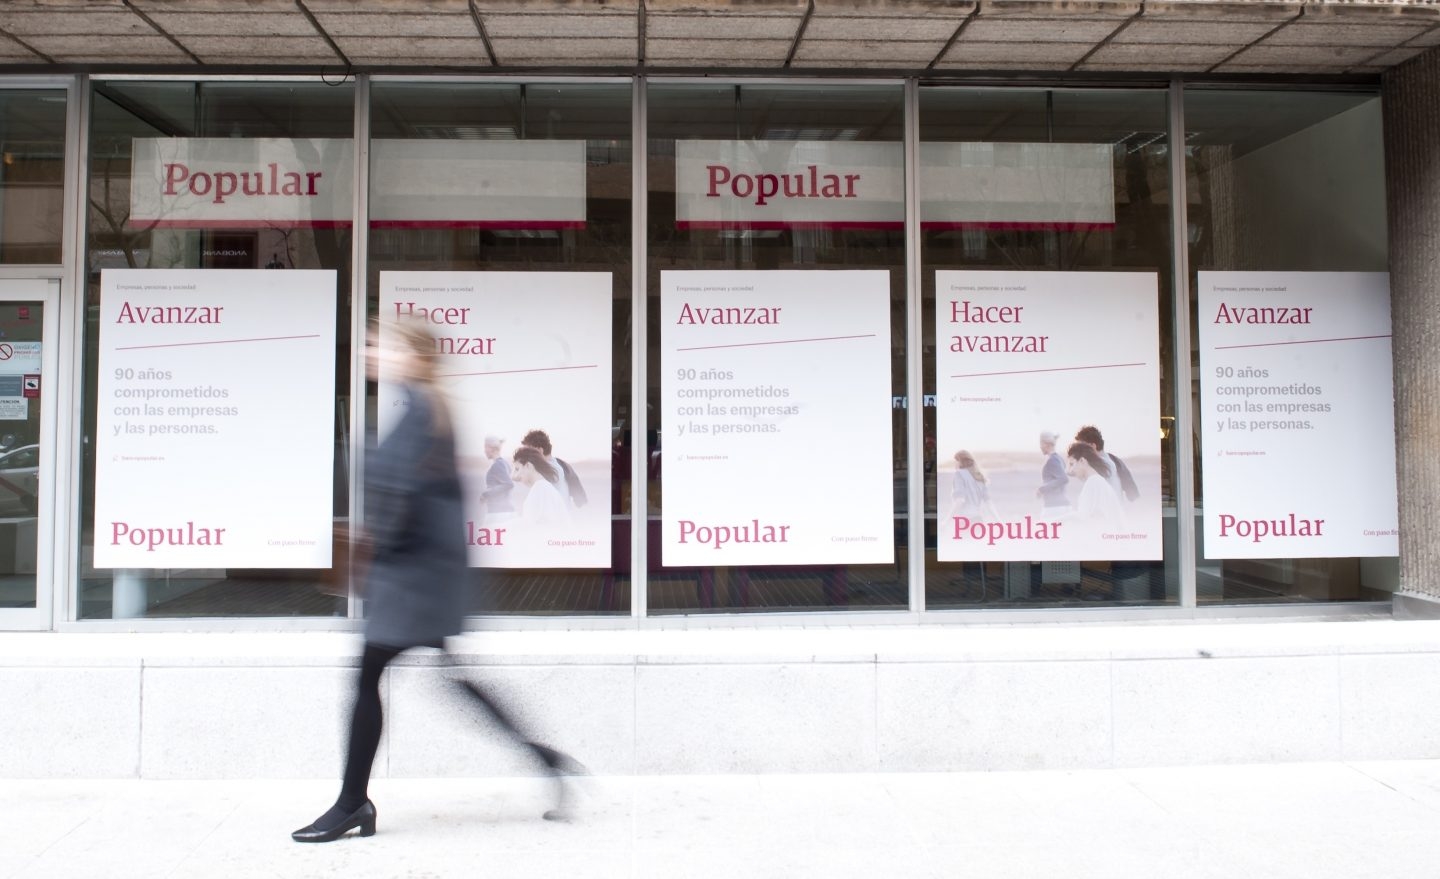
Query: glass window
point(810, 125)
point(526, 222)
point(313, 124)
point(1283, 181)
point(22, 431)
point(1061, 181)
point(32, 175)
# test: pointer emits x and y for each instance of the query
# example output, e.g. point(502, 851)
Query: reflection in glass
point(32, 175)
point(424, 132)
point(750, 114)
point(21, 386)
point(1083, 151)
point(303, 119)
point(1283, 181)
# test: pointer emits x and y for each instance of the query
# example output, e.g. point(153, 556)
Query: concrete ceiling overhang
point(915, 36)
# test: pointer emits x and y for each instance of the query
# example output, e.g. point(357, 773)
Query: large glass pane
point(1294, 182)
point(21, 385)
point(801, 129)
point(1058, 181)
point(311, 124)
point(438, 204)
point(32, 175)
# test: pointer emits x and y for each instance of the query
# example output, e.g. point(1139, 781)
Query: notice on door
point(1297, 416)
point(775, 423)
point(1048, 421)
point(525, 367)
point(215, 425)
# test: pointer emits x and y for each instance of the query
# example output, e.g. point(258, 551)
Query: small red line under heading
point(780, 342)
point(1055, 369)
point(1300, 342)
point(217, 342)
point(513, 371)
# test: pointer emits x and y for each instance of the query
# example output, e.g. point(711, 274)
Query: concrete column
point(1412, 175)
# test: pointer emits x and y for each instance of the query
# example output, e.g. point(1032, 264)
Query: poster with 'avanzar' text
point(1048, 423)
point(1297, 415)
point(775, 424)
point(215, 419)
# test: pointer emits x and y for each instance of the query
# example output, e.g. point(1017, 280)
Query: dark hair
point(538, 439)
point(531, 455)
point(1090, 434)
point(1086, 453)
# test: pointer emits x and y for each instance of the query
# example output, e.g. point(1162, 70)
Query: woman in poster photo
point(1098, 502)
point(416, 578)
point(970, 490)
point(543, 506)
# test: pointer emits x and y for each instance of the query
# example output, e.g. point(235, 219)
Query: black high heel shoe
point(558, 765)
point(363, 818)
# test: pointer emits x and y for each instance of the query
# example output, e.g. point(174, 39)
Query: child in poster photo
point(970, 490)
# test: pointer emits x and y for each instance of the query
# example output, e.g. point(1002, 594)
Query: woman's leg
point(353, 809)
point(366, 722)
point(555, 763)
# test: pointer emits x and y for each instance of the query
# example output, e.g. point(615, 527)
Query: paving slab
point(1331, 820)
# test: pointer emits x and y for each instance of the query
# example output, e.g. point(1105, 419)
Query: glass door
point(27, 420)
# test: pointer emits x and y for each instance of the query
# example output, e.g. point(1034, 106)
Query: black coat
point(415, 519)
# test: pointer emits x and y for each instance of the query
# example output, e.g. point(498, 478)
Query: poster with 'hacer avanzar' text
point(1048, 424)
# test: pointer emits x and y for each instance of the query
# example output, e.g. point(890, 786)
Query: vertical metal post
point(914, 354)
point(69, 385)
point(1184, 392)
point(359, 275)
point(639, 426)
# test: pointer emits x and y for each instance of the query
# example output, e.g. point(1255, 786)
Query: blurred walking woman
point(414, 586)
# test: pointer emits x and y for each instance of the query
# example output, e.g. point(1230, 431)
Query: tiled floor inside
point(1306, 821)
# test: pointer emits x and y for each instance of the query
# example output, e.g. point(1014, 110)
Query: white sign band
point(279, 183)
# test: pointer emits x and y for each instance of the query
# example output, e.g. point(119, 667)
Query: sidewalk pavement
point(1307, 821)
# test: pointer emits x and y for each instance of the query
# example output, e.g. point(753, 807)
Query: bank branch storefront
point(875, 349)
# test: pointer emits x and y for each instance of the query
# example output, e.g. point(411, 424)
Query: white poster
point(775, 395)
point(777, 184)
point(215, 426)
point(525, 363)
point(1297, 417)
point(1048, 423)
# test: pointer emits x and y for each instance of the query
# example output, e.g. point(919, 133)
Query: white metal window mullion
point(70, 425)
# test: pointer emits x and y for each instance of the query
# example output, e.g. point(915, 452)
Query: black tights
point(368, 719)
